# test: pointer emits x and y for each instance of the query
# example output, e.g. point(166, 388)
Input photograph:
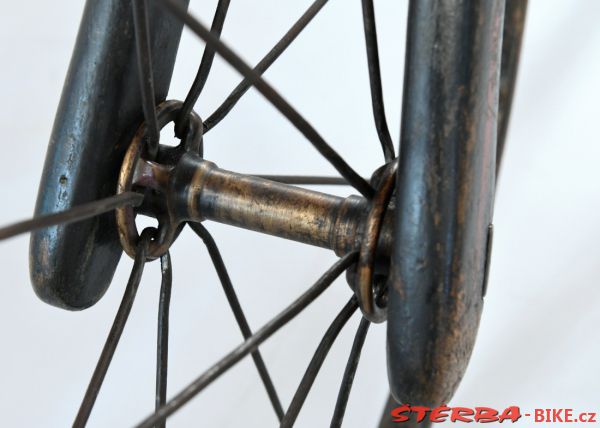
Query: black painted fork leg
point(444, 195)
point(100, 108)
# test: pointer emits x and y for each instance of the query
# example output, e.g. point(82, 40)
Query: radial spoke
point(162, 341)
point(144, 60)
point(78, 213)
point(375, 80)
point(317, 361)
point(251, 343)
point(273, 96)
point(348, 379)
point(264, 64)
point(115, 331)
point(234, 303)
point(204, 69)
point(306, 180)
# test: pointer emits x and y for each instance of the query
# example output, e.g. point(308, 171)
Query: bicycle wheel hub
point(180, 186)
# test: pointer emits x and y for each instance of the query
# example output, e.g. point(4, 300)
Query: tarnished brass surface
point(192, 189)
point(135, 171)
point(365, 269)
point(195, 190)
point(295, 213)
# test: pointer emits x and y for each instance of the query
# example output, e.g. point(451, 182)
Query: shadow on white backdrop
point(537, 346)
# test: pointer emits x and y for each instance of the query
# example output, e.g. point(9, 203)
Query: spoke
point(144, 61)
point(234, 303)
point(252, 342)
point(375, 80)
point(203, 71)
point(273, 96)
point(306, 180)
point(317, 361)
point(78, 213)
point(264, 64)
point(115, 331)
point(348, 379)
point(162, 341)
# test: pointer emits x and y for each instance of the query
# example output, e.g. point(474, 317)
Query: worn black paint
point(444, 194)
point(72, 265)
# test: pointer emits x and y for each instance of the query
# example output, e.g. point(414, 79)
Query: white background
point(538, 343)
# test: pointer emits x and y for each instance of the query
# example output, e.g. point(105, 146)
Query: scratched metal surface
point(545, 252)
point(72, 265)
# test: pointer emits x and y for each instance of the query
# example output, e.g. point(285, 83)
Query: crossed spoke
point(306, 180)
point(77, 213)
point(115, 332)
point(203, 71)
point(238, 313)
point(349, 372)
point(317, 361)
point(144, 60)
point(222, 111)
point(273, 96)
point(251, 77)
point(375, 80)
point(251, 343)
point(162, 340)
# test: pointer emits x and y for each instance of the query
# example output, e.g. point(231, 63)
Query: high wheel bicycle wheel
point(414, 243)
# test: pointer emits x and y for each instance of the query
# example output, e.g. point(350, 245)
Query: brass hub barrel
point(197, 190)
